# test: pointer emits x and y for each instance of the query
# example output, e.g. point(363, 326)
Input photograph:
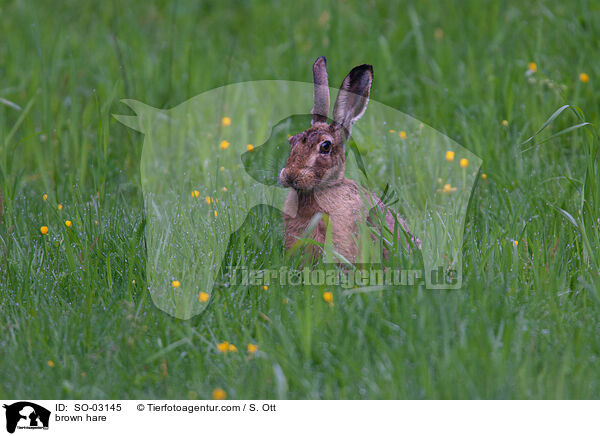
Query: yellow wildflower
point(583, 77)
point(484, 176)
point(226, 121)
point(216, 213)
point(195, 193)
point(223, 347)
point(45, 197)
point(43, 230)
point(449, 156)
point(203, 297)
point(231, 348)
point(504, 123)
point(328, 297)
point(402, 134)
point(250, 147)
point(208, 200)
point(224, 145)
point(448, 188)
point(464, 163)
point(51, 364)
point(175, 283)
point(532, 66)
point(60, 206)
point(252, 348)
point(265, 287)
point(515, 243)
point(392, 131)
point(68, 223)
point(219, 394)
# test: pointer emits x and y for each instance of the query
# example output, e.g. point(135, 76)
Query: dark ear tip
point(321, 59)
point(363, 68)
point(361, 71)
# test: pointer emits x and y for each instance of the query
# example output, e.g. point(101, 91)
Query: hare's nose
point(286, 178)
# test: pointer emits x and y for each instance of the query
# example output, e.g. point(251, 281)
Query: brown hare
point(316, 165)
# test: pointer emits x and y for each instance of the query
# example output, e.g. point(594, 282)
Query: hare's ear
point(320, 110)
point(353, 97)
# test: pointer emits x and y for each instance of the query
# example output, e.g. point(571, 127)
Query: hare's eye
point(325, 147)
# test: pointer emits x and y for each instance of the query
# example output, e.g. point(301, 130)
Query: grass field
point(76, 319)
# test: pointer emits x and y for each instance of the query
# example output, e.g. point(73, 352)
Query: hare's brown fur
point(342, 203)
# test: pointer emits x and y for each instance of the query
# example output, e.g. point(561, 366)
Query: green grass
point(524, 325)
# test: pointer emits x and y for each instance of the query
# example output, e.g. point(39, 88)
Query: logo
point(26, 415)
point(207, 163)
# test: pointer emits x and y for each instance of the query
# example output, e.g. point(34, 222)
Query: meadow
point(516, 84)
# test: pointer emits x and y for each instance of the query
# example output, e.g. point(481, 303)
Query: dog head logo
point(26, 415)
point(207, 162)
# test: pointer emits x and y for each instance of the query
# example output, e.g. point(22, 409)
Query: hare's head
point(317, 158)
